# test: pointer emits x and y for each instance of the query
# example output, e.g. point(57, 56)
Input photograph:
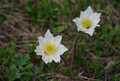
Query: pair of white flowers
point(50, 48)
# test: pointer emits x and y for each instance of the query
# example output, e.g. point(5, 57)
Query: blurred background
point(98, 57)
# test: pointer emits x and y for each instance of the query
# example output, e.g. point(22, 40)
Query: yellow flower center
point(86, 23)
point(49, 49)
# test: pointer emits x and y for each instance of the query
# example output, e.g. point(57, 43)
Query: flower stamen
point(86, 23)
point(50, 49)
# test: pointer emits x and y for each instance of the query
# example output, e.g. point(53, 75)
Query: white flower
point(50, 48)
point(87, 21)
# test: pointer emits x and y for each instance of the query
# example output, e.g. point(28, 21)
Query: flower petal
point(46, 58)
point(86, 13)
point(57, 40)
point(76, 20)
point(90, 32)
point(95, 16)
point(56, 57)
point(83, 15)
point(98, 25)
point(48, 36)
point(42, 41)
point(39, 51)
point(89, 10)
point(61, 49)
point(96, 21)
point(81, 28)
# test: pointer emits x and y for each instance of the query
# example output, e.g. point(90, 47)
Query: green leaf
point(20, 59)
point(26, 76)
point(34, 69)
point(27, 67)
point(2, 55)
point(13, 74)
point(11, 49)
point(52, 23)
point(41, 67)
point(3, 52)
point(59, 29)
point(58, 78)
point(27, 45)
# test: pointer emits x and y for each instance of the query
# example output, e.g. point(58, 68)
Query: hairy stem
point(74, 51)
point(65, 61)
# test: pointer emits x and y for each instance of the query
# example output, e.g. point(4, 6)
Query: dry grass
point(16, 26)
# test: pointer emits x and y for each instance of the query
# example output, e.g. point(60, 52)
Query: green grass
point(94, 54)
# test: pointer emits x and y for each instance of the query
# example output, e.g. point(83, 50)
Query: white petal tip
point(89, 7)
point(90, 33)
point(40, 37)
point(46, 62)
point(98, 25)
point(73, 20)
point(57, 61)
point(66, 49)
point(48, 31)
point(76, 19)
